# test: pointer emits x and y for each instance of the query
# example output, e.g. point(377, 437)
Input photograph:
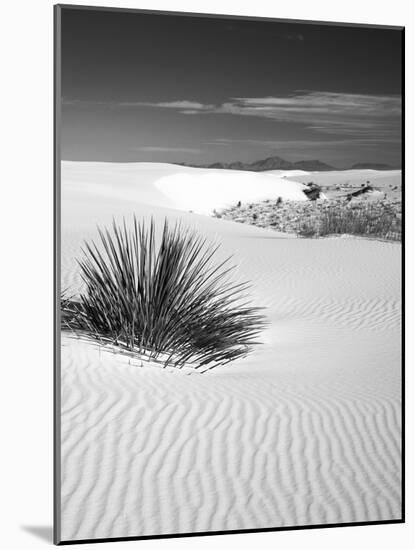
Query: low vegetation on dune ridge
point(371, 218)
point(171, 303)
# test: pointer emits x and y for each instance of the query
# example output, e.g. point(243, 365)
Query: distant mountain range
point(270, 163)
point(278, 163)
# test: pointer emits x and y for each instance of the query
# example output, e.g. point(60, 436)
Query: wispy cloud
point(364, 115)
point(325, 112)
point(182, 105)
point(156, 149)
point(290, 143)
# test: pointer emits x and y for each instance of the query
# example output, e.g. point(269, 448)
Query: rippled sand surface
point(306, 430)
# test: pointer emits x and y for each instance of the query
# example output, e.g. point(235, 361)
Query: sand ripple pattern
point(304, 431)
point(147, 452)
point(376, 313)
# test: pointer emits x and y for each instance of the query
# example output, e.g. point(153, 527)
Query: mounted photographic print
point(228, 274)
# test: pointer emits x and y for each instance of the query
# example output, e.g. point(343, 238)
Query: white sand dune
point(306, 430)
point(288, 173)
point(201, 190)
point(208, 190)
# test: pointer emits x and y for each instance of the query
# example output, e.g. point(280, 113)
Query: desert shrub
point(365, 219)
point(171, 303)
point(307, 230)
point(372, 218)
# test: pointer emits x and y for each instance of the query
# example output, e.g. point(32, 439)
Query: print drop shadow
point(43, 532)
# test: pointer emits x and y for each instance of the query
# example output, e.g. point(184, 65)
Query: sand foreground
point(306, 430)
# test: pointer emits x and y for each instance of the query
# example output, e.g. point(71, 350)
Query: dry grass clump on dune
point(372, 218)
point(170, 303)
point(361, 219)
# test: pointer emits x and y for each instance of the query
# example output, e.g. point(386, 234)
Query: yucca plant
point(69, 309)
point(171, 303)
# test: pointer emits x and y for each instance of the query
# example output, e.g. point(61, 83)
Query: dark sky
point(167, 88)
